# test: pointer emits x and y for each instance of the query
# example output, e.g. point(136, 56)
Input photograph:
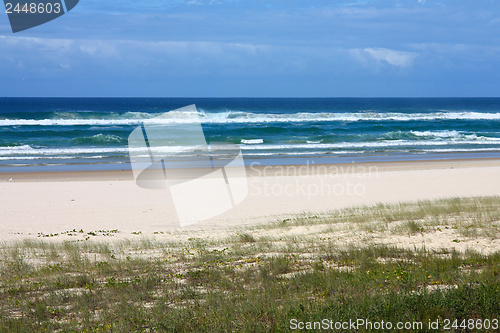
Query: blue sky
point(256, 48)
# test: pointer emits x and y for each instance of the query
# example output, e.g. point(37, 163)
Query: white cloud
point(401, 59)
point(129, 56)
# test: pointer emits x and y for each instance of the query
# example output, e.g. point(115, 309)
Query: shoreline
point(279, 161)
point(258, 170)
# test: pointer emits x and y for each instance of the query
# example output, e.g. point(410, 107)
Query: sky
point(257, 48)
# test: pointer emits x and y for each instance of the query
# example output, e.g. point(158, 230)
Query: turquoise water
point(89, 133)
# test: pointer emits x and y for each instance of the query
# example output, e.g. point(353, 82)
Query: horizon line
point(257, 97)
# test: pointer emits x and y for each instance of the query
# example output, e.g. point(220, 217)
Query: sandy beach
point(34, 203)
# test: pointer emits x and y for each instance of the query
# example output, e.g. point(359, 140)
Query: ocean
point(92, 133)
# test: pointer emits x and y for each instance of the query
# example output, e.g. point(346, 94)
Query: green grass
point(253, 282)
point(465, 214)
point(246, 238)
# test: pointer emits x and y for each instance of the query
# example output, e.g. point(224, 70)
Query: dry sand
point(47, 203)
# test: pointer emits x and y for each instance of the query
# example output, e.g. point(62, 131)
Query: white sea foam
point(252, 141)
point(374, 144)
point(176, 117)
point(452, 135)
point(15, 148)
point(27, 151)
point(454, 150)
point(438, 134)
point(6, 158)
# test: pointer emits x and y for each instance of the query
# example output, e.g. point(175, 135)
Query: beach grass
point(409, 262)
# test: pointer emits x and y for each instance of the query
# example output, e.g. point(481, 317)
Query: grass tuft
point(246, 238)
point(306, 272)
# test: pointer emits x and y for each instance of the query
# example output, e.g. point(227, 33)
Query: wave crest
point(252, 141)
point(174, 117)
point(99, 139)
